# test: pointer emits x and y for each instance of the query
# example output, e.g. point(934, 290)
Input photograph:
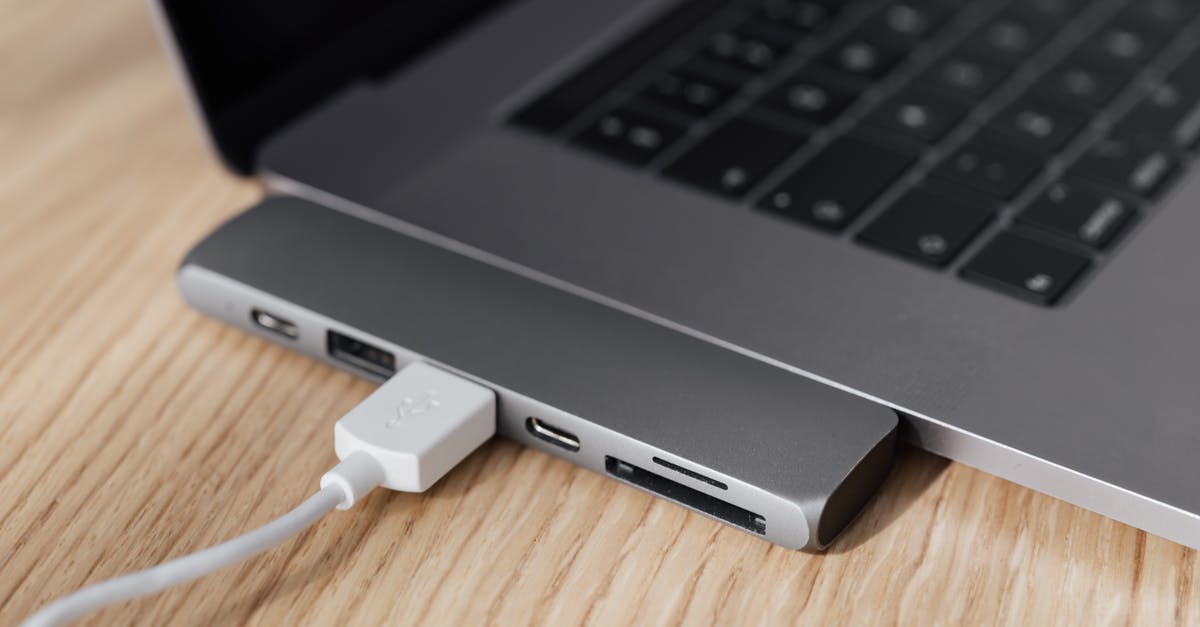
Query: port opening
point(551, 434)
point(360, 354)
point(274, 324)
point(690, 473)
point(674, 491)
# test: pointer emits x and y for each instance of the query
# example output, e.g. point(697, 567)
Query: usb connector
point(408, 434)
point(405, 436)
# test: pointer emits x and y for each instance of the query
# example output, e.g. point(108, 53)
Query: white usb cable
point(405, 436)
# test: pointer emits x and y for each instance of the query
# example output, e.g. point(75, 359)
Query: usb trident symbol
point(410, 407)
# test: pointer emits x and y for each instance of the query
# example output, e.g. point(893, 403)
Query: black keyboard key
point(803, 16)
point(1026, 268)
point(1123, 47)
point(866, 54)
point(1081, 84)
point(628, 136)
point(965, 74)
point(687, 93)
point(1163, 18)
point(734, 157)
point(812, 97)
point(553, 110)
point(1129, 166)
point(1080, 213)
point(743, 51)
point(999, 173)
point(1168, 116)
point(1032, 124)
point(1013, 35)
point(919, 114)
point(916, 20)
point(832, 188)
point(927, 227)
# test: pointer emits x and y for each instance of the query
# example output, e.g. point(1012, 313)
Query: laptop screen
point(254, 65)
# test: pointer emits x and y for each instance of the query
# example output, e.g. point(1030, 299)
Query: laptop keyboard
point(1009, 142)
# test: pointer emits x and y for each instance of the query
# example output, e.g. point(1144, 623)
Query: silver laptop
point(982, 214)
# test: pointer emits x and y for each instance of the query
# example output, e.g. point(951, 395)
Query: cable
point(405, 436)
point(189, 567)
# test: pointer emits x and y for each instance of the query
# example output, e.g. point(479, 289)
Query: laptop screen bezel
point(239, 118)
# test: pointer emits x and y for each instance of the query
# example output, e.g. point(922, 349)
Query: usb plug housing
point(418, 425)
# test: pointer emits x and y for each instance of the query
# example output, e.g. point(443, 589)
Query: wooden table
point(133, 430)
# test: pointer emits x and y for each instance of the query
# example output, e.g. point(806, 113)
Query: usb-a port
point(361, 355)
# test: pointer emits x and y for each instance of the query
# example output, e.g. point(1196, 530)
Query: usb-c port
point(274, 324)
point(553, 435)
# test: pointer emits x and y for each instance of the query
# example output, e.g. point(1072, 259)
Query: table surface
point(133, 430)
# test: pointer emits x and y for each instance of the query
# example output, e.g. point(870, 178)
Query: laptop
point(982, 214)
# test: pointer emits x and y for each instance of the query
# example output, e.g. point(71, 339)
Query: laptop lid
point(254, 65)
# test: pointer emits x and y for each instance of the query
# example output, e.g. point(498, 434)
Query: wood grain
point(133, 430)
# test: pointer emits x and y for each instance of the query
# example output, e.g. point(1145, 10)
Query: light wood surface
point(133, 430)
